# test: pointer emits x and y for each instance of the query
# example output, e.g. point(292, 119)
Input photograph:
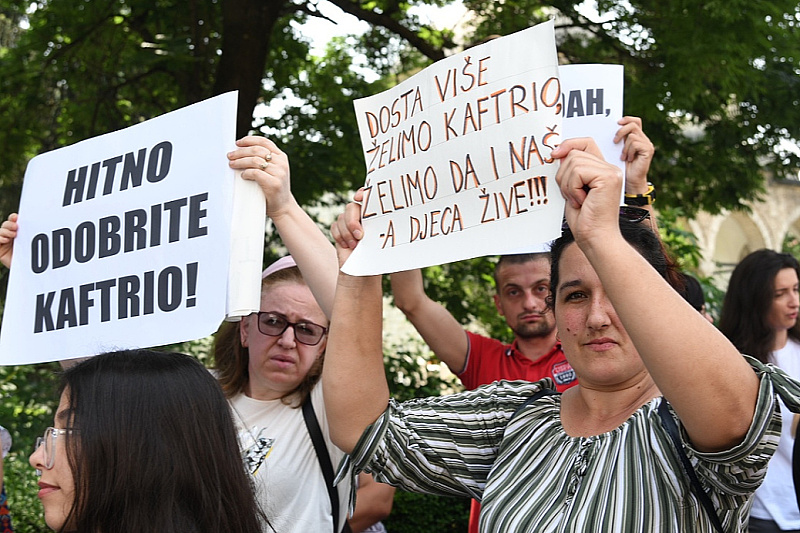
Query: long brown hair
point(231, 358)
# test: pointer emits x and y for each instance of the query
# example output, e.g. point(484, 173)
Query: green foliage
point(29, 399)
point(415, 513)
point(682, 244)
point(412, 372)
point(791, 245)
point(27, 515)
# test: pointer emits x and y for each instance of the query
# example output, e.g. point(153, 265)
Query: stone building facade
point(726, 238)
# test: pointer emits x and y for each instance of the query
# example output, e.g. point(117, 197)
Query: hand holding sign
point(347, 230)
point(8, 232)
point(263, 162)
point(589, 184)
point(637, 154)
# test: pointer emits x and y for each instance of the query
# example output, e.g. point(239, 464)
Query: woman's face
point(785, 300)
point(279, 364)
point(57, 484)
point(592, 336)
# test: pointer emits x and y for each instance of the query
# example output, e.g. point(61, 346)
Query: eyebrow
point(570, 284)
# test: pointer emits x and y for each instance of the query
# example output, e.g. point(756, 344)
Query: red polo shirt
point(490, 360)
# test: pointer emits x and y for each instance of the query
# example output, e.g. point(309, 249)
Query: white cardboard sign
point(125, 240)
point(458, 157)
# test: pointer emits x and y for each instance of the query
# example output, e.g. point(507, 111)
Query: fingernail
point(357, 234)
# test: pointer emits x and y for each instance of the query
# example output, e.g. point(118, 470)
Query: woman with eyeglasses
point(143, 441)
point(759, 316)
point(269, 365)
point(669, 428)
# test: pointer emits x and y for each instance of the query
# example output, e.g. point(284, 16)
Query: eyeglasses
point(274, 324)
point(626, 212)
point(49, 440)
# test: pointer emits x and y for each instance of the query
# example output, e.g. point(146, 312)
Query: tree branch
point(386, 21)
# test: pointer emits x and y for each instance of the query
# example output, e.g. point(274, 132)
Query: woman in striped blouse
point(598, 457)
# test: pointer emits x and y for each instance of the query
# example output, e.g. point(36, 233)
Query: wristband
point(640, 200)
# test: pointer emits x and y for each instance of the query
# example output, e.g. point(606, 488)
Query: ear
point(243, 325)
point(497, 304)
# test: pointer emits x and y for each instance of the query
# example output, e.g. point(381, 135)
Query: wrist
point(641, 199)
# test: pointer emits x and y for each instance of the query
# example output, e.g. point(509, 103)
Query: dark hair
point(517, 259)
point(638, 235)
point(156, 448)
point(747, 303)
point(693, 292)
point(231, 358)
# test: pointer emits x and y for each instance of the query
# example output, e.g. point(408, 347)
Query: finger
point(352, 220)
point(582, 144)
point(341, 234)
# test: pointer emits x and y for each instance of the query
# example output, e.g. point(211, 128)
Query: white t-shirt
point(278, 451)
point(775, 498)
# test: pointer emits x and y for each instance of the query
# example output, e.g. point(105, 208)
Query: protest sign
point(592, 104)
point(458, 157)
point(125, 239)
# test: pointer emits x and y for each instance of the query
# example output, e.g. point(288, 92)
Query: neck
point(261, 393)
point(535, 348)
point(781, 337)
point(587, 412)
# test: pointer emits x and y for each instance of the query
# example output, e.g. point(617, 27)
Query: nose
point(533, 302)
point(36, 459)
point(600, 313)
point(287, 339)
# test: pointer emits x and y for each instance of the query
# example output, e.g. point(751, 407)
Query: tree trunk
point(246, 29)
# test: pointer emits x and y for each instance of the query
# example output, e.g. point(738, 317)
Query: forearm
point(311, 250)
point(353, 379)
point(438, 328)
point(373, 503)
point(698, 370)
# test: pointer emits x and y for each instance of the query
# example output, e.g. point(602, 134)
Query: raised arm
point(439, 329)
point(8, 232)
point(264, 163)
point(637, 152)
point(708, 383)
point(353, 379)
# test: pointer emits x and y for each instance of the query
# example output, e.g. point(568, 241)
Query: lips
point(602, 344)
point(283, 360)
point(45, 489)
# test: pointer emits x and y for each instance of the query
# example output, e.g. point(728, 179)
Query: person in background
point(522, 285)
point(269, 366)
point(605, 455)
point(759, 315)
point(143, 441)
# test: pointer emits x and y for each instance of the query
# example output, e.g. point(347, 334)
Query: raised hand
point(8, 232)
point(263, 162)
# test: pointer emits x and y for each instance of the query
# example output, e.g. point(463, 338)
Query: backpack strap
point(672, 430)
point(324, 458)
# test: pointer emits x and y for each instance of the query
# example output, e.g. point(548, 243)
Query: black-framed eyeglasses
point(49, 439)
point(626, 212)
point(274, 324)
